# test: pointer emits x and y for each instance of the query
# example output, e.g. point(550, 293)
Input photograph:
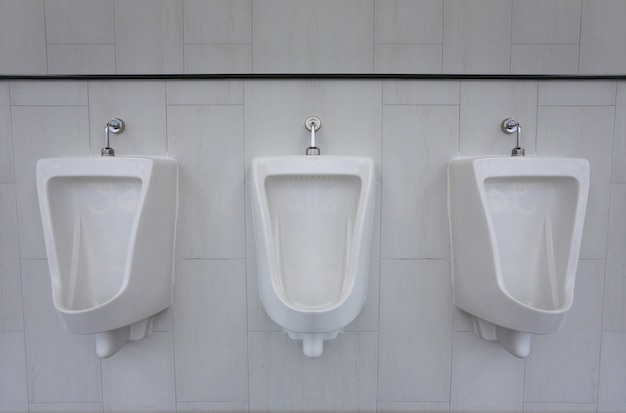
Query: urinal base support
point(110, 342)
point(515, 342)
point(312, 343)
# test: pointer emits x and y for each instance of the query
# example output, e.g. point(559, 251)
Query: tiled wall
point(312, 36)
point(215, 349)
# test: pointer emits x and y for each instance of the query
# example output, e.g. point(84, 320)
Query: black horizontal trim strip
point(313, 76)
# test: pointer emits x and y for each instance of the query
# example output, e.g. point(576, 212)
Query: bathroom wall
point(215, 350)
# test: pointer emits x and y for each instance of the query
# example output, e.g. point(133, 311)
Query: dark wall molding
point(308, 76)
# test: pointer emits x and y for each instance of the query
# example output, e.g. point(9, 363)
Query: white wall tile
point(576, 93)
point(408, 21)
point(13, 384)
point(49, 94)
point(228, 92)
point(485, 377)
point(6, 141)
point(22, 37)
point(402, 92)
point(81, 58)
point(563, 366)
point(615, 291)
point(555, 59)
point(42, 132)
point(141, 105)
point(484, 105)
point(350, 113)
point(66, 407)
point(602, 37)
point(79, 22)
point(283, 379)
point(149, 36)
point(611, 396)
point(212, 407)
point(407, 58)
point(413, 407)
point(10, 281)
point(546, 21)
point(559, 407)
point(140, 377)
point(415, 340)
point(207, 141)
point(619, 143)
point(585, 132)
point(62, 367)
point(477, 36)
point(312, 36)
point(217, 21)
point(210, 331)
point(218, 58)
point(418, 141)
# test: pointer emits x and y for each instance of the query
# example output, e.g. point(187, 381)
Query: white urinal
point(516, 226)
point(312, 222)
point(109, 226)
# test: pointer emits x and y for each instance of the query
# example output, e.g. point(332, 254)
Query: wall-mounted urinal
point(313, 223)
point(516, 227)
point(109, 226)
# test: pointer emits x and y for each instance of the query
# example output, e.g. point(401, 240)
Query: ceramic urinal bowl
point(516, 226)
point(313, 223)
point(109, 227)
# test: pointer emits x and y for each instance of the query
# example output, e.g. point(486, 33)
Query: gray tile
point(414, 203)
point(415, 331)
point(485, 377)
point(475, 41)
point(148, 36)
point(615, 283)
point(207, 141)
point(217, 21)
point(408, 21)
point(282, 379)
point(6, 141)
point(13, 381)
point(619, 139)
point(11, 312)
point(602, 37)
point(210, 331)
point(288, 38)
point(140, 377)
point(22, 37)
point(79, 22)
point(611, 396)
point(546, 21)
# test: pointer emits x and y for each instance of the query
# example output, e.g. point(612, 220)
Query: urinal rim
point(43, 181)
point(366, 197)
point(580, 175)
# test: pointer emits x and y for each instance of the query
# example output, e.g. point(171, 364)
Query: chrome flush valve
point(115, 126)
point(509, 126)
point(313, 124)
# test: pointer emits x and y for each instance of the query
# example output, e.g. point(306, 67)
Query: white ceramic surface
point(516, 227)
point(109, 228)
point(313, 220)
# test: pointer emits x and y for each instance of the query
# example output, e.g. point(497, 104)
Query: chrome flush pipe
point(312, 123)
point(115, 126)
point(509, 126)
